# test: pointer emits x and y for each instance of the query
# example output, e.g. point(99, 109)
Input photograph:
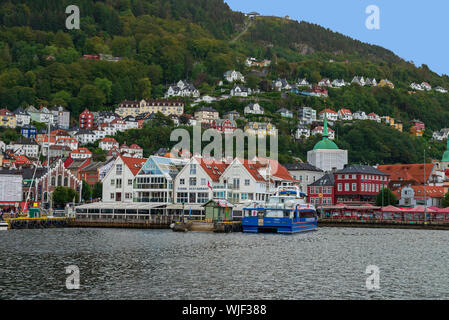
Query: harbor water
point(160, 264)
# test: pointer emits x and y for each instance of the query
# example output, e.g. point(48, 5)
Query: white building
point(374, 117)
point(345, 114)
point(240, 91)
point(306, 115)
point(182, 89)
point(196, 181)
point(154, 182)
point(360, 115)
point(118, 182)
point(326, 155)
point(23, 118)
point(25, 147)
point(81, 153)
point(233, 75)
point(305, 173)
point(253, 108)
point(108, 143)
point(338, 83)
point(331, 115)
point(85, 136)
point(358, 80)
point(301, 131)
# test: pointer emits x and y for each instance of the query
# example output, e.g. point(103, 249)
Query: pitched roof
point(213, 168)
point(134, 164)
point(301, 166)
point(358, 168)
point(276, 169)
point(253, 168)
point(108, 139)
point(327, 111)
point(431, 191)
point(326, 180)
point(407, 172)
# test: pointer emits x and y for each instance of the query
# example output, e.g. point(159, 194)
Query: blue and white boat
point(285, 212)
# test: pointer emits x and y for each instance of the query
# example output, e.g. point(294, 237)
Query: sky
point(415, 30)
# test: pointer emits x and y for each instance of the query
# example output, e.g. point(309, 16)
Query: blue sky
point(415, 30)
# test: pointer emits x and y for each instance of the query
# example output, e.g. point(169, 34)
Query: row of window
point(364, 177)
point(324, 190)
point(318, 201)
point(364, 187)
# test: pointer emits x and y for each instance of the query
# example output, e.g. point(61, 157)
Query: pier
point(37, 223)
point(390, 224)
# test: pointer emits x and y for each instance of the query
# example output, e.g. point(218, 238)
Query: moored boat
point(3, 225)
point(285, 212)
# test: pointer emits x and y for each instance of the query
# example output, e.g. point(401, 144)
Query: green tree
point(385, 198)
point(86, 193)
point(445, 201)
point(97, 191)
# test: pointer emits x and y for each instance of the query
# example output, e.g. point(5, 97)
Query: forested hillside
point(162, 41)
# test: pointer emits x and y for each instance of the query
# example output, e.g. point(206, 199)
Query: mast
point(48, 162)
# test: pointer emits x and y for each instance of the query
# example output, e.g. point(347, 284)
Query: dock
point(208, 226)
point(150, 222)
point(37, 223)
point(392, 224)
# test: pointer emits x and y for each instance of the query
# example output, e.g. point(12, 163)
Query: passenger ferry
point(285, 212)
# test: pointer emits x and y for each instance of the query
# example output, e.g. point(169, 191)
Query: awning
point(391, 209)
point(187, 207)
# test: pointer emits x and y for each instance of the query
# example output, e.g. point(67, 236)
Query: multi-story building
point(331, 115)
point(223, 126)
point(86, 120)
point(108, 143)
point(61, 117)
point(206, 115)
point(194, 183)
point(253, 108)
point(28, 131)
point(358, 184)
point(7, 118)
point(42, 115)
point(306, 115)
point(305, 174)
point(345, 114)
point(155, 180)
point(22, 118)
point(166, 107)
point(322, 191)
point(85, 136)
point(25, 146)
point(118, 182)
point(261, 128)
point(81, 153)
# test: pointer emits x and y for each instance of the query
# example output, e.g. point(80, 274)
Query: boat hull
point(278, 225)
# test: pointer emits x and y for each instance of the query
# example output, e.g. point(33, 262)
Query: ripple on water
point(161, 264)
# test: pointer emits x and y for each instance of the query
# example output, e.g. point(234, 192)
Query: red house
point(86, 120)
point(223, 125)
point(418, 124)
point(359, 184)
point(322, 191)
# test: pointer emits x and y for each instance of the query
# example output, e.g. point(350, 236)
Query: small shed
point(218, 210)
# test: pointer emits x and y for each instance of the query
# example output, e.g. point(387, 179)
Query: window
point(244, 196)
point(130, 182)
point(112, 196)
point(119, 183)
point(203, 181)
point(247, 182)
point(182, 181)
point(118, 169)
point(346, 176)
point(346, 186)
point(362, 186)
point(128, 196)
point(339, 187)
point(354, 187)
point(182, 197)
point(203, 197)
point(192, 181)
point(112, 182)
point(236, 183)
point(193, 168)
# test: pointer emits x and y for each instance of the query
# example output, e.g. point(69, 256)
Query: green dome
point(327, 144)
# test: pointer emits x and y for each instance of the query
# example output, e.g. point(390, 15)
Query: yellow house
point(261, 128)
point(134, 108)
point(7, 118)
point(386, 83)
point(166, 107)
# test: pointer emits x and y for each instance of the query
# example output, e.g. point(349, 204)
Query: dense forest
point(162, 41)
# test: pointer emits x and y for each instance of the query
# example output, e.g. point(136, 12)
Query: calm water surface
point(161, 264)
